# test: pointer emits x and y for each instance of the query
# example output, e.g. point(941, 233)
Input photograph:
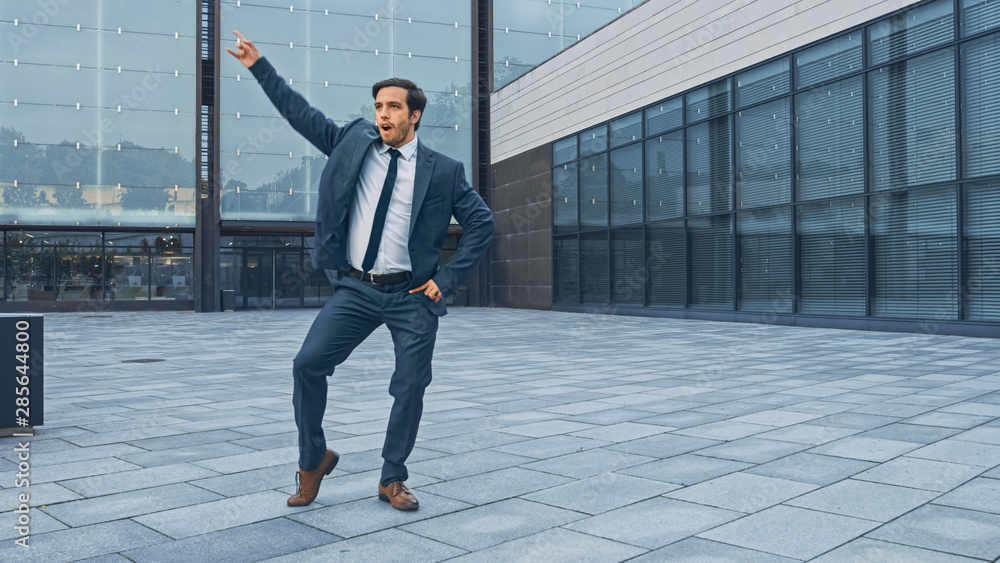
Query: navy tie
point(378, 225)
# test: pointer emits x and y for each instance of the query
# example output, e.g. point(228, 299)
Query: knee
point(308, 364)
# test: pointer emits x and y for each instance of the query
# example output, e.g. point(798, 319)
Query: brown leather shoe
point(308, 481)
point(398, 495)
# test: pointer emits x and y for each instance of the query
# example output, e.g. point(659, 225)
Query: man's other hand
point(430, 289)
point(245, 50)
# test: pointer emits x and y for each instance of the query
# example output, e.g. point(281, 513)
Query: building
point(816, 163)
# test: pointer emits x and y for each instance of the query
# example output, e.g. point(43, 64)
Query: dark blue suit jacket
point(440, 191)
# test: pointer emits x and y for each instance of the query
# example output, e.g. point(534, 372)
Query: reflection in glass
point(565, 198)
point(665, 176)
point(595, 283)
point(594, 191)
point(930, 24)
point(566, 266)
point(979, 16)
point(981, 107)
point(708, 101)
point(763, 154)
point(832, 255)
point(629, 285)
point(709, 167)
point(830, 152)
point(665, 262)
point(711, 262)
point(626, 185)
point(982, 244)
point(829, 59)
point(665, 116)
point(766, 81)
point(766, 260)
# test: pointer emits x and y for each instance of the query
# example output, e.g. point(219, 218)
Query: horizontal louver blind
point(708, 101)
point(595, 283)
point(564, 150)
point(665, 260)
point(829, 60)
point(830, 153)
point(665, 116)
point(594, 191)
point(594, 141)
point(626, 130)
point(565, 199)
point(982, 106)
point(930, 24)
point(709, 167)
point(982, 240)
point(913, 109)
point(832, 257)
point(629, 285)
point(567, 270)
point(979, 16)
point(916, 254)
point(763, 82)
point(711, 262)
point(763, 152)
point(665, 176)
point(626, 185)
point(766, 260)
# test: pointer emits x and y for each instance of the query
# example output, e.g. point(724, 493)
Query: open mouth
point(385, 126)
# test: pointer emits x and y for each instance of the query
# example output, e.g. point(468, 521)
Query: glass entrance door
point(258, 279)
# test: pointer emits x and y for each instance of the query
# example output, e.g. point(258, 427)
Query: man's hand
point(245, 50)
point(430, 289)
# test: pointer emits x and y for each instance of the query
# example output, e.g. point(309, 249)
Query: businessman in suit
point(385, 204)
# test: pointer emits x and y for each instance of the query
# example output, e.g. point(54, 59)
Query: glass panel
point(665, 259)
point(626, 129)
point(982, 244)
point(829, 60)
point(708, 101)
point(630, 276)
point(230, 270)
point(709, 167)
point(763, 153)
point(131, 273)
point(566, 265)
point(665, 176)
point(711, 262)
point(665, 116)
point(981, 107)
point(594, 141)
point(908, 32)
point(289, 278)
point(763, 82)
point(979, 15)
point(594, 191)
point(626, 185)
point(596, 283)
point(832, 255)
point(564, 150)
point(173, 269)
point(283, 188)
point(30, 267)
point(565, 198)
point(916, 254)
point(766, 260)
point(913, 129)
point(830, 125)
point(258, 279)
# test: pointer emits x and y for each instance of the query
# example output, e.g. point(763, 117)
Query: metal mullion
point(960, 172)
point(866, 125)
point(962, 266)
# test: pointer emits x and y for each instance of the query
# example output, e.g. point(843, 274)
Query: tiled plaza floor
point(546, 437)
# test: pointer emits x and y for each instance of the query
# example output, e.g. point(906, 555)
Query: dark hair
point(415, 98)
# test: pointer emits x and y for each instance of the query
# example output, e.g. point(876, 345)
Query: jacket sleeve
point(307, 120)
point(477, 231)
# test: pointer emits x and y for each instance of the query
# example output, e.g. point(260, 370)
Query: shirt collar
point(405, 151)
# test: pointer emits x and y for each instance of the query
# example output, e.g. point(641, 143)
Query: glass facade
point(527, 32)
point(97, 106)
point(856, 177)
point(332, 52)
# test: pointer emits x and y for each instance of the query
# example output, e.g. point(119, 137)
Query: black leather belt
point(380, 279)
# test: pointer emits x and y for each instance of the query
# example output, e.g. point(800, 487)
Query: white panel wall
point(658, 49)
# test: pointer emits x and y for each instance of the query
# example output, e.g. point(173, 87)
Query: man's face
point(393, 117)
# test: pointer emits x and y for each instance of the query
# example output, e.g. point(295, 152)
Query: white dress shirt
point(393, 254)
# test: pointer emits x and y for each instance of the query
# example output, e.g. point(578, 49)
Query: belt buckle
point(372, 279)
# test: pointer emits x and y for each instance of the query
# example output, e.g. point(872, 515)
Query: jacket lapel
point(421, 181)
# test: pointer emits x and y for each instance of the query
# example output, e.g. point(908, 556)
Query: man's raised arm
point(307, 120)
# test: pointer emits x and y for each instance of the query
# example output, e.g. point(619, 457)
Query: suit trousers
point(356, 309)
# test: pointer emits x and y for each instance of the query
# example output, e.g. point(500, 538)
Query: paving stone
point(697, 550)
point(547, 428)
point(588, 463)
point(471, 442)
point(979, 494)
point(790, 532)
point(369, 515)
point(654, 523)
point(187, 440)
point(64, 471)
point(663, 445)
point(185, 454)
point(982, 435)
point(915, 433)
point(254, 481)
point(685, 469)
point(753, 450)
point(138, 479)
point(943, 528)
point(862, 499)
point(219, 515)
point(247, 461)
point(867, 449)
point(387, 545)
point(925, 474)
point(622, 432)
point(855, 420)
point(81, 543)
point(84, 512)
point(866, 549)
point(553, 446)
point(601, 493)
point(40, 522)
point(957, 451)
point(38, 495)
point(465, 464)
point(949, 420)
point(811, 468)
point(808, 434)
point(742, 492)
point(724, 430)
point(492, 524)
point(496, 485)
point(553, 546)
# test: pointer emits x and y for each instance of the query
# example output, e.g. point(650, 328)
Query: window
point(629, 285)
point(626, 185)
point(766, 260)
point(763, 152)
point(832, 256)
point(594, 191)
point(982, 243)
point(981, 107)
point(665, 262)
point(830, 156)
point(711, 262)
point(595, 282)
point(665, 176)
point(709, 168)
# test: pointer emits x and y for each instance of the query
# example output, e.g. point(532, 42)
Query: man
point(376, 175)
